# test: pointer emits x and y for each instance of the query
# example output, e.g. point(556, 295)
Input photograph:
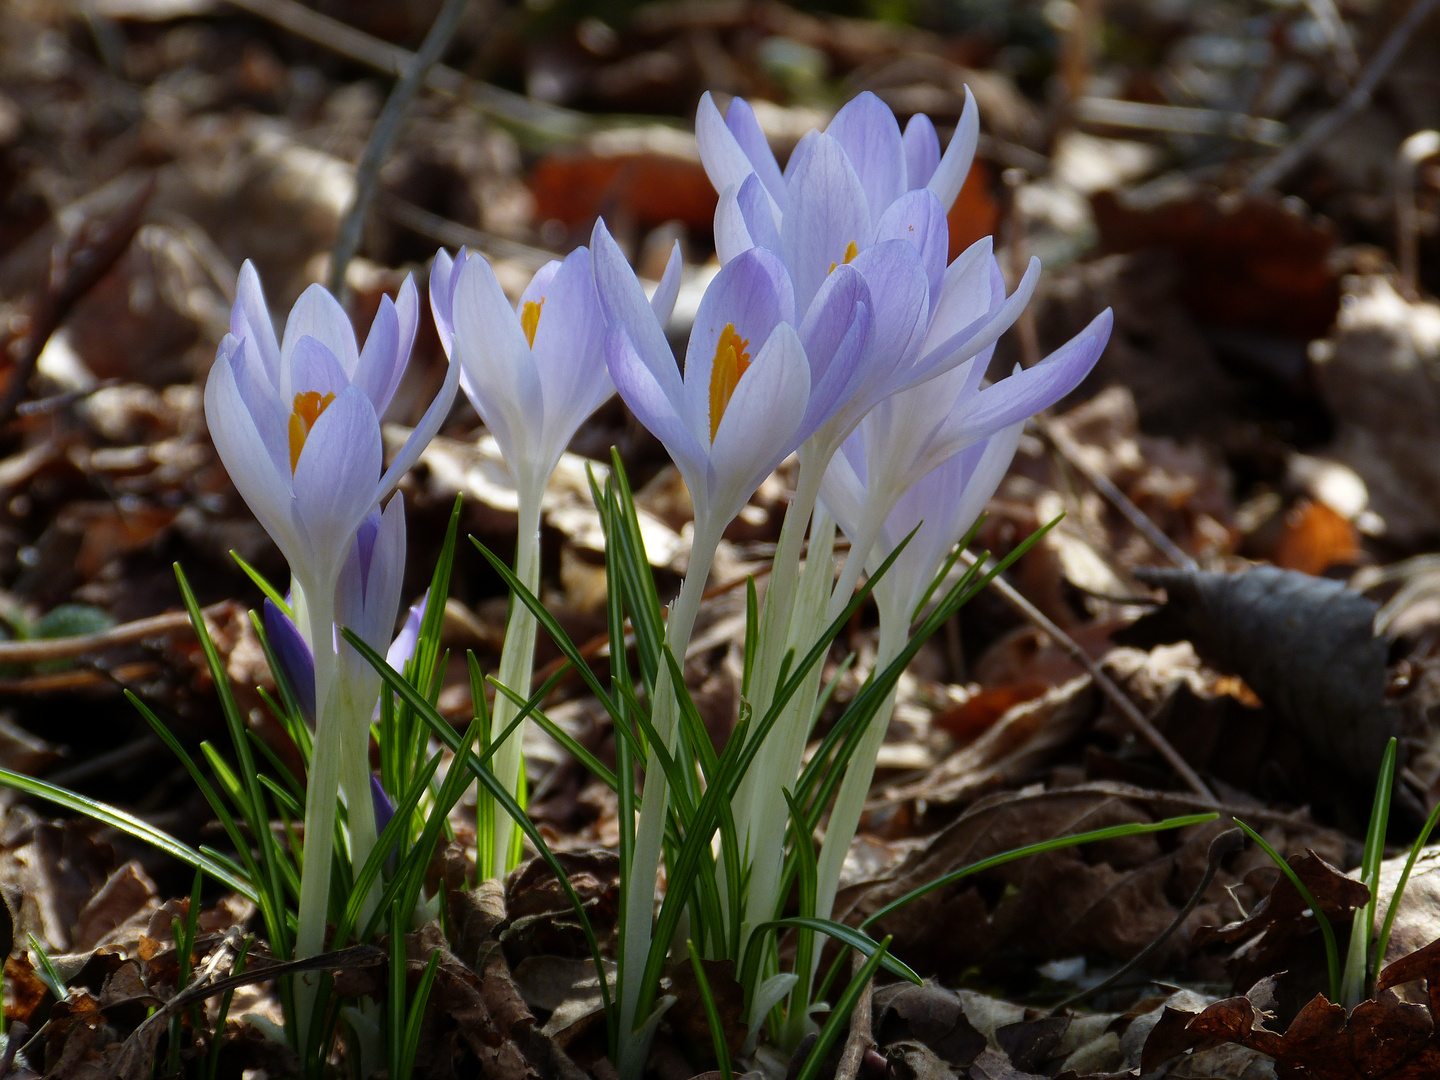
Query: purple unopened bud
point(297, 663)
point(384, 811)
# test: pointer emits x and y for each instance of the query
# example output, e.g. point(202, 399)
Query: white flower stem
point(638, 904)
point(845, 815)
point(321, 793)
point(517, 663)
point(355, 784)
point(776, 617)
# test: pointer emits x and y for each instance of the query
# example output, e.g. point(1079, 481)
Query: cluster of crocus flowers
point(835, 327)
point(297, 424)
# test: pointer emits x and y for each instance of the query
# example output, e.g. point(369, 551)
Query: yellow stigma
point(308, 407)
point(530, 318)
point(731, 360)
point(851, 250)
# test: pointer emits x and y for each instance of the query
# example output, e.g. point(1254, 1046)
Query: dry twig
point(1284, 163)
point(383, 136)
point(65, 648)
point(1143, 727)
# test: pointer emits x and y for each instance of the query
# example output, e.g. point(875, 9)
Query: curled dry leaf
point(1305, 645)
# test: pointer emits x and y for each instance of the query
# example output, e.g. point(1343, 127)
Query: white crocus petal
point(970, 342)
point(248, 461)
point(424, 431)
point(662, 301)
point(954, 166)
point(722, 155)
point(624, 303)
point(319, 315)
point(922, 151)
point(250, 321)
point(442, 286)
point(492, 348)
point(758, 428)
point(335, 478)
point(741, 120)
point(314, 369)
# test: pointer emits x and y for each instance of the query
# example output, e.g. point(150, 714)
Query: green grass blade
point(1112, 832)
point(712, 1013)
point(130, 825)
point(1332, 952)
point(840, 1016)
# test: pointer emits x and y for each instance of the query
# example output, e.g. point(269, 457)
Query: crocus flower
point(533, 373)
point(735, 413)
point(297, 423)
point(859, 195)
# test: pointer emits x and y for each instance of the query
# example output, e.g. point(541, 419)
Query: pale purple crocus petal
point(725, 160)
point(827, 214)
point(297, 662)
point(662, 302)
point(623, 301)
point(944, 504)
point(250, 321)
point(383, 807)
point(752, 294)
point(896, 277)
point(732, 232)
point(540, 283)
point(403, 647)
point(744, 218)
point(424, 431)
point(656, 410)
point(248, 460)
point(922, 151)
point(491, 348)
point(759, 427)
point(966, 293)
point(442, 290)
point(1027, 392)
point(260, 399)
point(740, 119)
point(319, 315)
point(866, 130)
point(836, 335)
point(842, 491)
point(368, 592)
point(979, 335)
point(378, 359)
point(335, 477)
point(918, 218)
point(568, 357)
point(387, 348)
point(313, 368)
point(949, 176)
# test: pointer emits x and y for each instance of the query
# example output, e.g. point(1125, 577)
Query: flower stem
point(638, 904)
point(517, 662)
point(321, 792)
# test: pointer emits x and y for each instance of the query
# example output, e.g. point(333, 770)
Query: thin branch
point(506, 106)
point(1126, 707)
point(33, 652)
point(1067, 448)
point(1284, 163)
point(383, 136)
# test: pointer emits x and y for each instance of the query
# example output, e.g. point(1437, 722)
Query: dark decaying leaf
point(1305, 645)
point(931, 1015)
point(1111, 898)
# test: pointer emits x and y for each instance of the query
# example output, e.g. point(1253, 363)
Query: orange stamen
point(731, 361)
point(308, 407)
point(851, 250)
point(530, 318)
